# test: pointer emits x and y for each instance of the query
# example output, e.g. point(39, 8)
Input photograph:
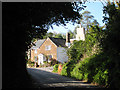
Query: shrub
point(53, 62)
point(55, 68)
point(85, 76)
point(64, 70)
point(77, 73)
point(30, 63)
point(92, 69)
point(96, 69)
point(80, 71)
point(101, 77)
point(67, 68)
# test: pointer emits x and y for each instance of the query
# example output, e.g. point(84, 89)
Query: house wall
point(62, 55)
point(53, 50)
point(33, 54)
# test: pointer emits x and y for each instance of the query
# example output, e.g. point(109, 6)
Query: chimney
point(68, 39)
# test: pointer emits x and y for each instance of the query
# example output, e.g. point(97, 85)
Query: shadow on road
point(45, 79)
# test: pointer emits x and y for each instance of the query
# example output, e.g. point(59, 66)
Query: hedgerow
point(93, 67)
point(97, 58)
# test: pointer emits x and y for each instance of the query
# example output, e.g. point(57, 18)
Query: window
point(49, 58)
point(35, 50)
point(35, 58)
point(48, 47)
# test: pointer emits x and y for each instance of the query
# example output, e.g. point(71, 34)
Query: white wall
point(80, 34)
point(62, 55)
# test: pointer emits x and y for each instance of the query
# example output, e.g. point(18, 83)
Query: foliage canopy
point(21, 23)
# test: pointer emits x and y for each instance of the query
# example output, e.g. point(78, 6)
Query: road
point(46, 79)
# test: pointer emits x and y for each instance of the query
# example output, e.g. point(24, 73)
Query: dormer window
point(48, 47)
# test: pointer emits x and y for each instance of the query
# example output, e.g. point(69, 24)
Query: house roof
point(38, 44)
point(58, 41)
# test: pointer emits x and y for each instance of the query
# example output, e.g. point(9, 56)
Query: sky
point(96, 9)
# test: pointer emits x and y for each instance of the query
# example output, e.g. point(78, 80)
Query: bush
point(64, 70)
point(67, 68)
point(92, 69)
point(80, 71)
point(97, 69)
point(53, 62)
point(101, 77)
point(55, 68)
point(30, 63)
point(77, 73)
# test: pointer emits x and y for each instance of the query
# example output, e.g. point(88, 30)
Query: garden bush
point(68, 67)
point(30, 63)
point(101, 77)
point(97, 69)
point(81, 71)
point(55, 68)
point(92, 69)
point(76, 73)
point(53, 62)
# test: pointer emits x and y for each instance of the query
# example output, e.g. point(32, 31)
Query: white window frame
point(48, 47)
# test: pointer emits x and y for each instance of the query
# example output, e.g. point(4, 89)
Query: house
point(34, 49)
point(54, 48)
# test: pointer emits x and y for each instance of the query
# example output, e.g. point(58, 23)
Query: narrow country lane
point(45, 78)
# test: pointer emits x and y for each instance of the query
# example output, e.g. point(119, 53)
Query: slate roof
point(38, 44)
point(58, 41)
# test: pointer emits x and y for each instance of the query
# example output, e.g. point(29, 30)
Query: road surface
point(43, 77)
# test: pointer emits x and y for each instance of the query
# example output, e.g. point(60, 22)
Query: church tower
point(80, 33)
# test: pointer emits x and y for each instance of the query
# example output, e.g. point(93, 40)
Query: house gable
point(48, 48)
point(51, 41)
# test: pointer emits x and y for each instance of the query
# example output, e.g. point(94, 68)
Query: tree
point(86, 19)
point(50, 34)
point(19, 28)
point(58, 36)
point(55, 35)
point(95, 22)
point(110, 43)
